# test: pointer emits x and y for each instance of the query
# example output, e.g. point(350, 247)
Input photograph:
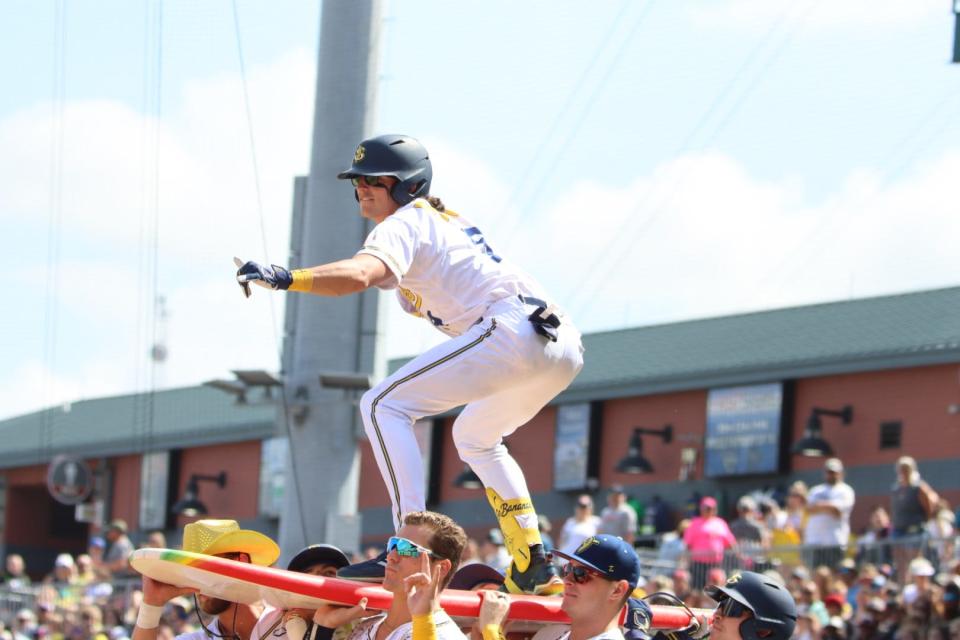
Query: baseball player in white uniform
point(511, 351)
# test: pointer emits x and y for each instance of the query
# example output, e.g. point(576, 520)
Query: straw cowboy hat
point(213, 537)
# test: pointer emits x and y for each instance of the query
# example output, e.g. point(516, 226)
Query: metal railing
point(894, 552)
point(110, 596)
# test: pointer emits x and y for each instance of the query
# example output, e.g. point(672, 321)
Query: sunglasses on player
point(407, 548)
point(578, 574)
point(730, 608)
point(370, 181)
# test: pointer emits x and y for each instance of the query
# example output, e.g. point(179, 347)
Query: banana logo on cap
point(586, 544)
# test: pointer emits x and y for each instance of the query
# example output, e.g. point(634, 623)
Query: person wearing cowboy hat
point(223, 539)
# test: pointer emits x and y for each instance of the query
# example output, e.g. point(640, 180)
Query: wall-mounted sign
point(572, 447)
point(154, 477)
point(274, 461)
point(743, 430)
point(69, 480)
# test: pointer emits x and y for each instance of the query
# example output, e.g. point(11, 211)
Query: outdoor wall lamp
point(812, 443)
point(190, 505)
point(468, 479)
point(634, 461)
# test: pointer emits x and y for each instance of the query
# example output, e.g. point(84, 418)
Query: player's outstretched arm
point(338, 278)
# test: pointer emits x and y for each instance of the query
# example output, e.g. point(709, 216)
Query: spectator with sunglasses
point(223, 539)
point(428, 543)
point(511, 349)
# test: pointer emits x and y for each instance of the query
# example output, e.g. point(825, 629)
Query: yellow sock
point(518, 522)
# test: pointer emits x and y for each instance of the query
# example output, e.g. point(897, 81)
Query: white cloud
point(817, 14)
point(701, 237)
point(698, 236)
point(208, 214)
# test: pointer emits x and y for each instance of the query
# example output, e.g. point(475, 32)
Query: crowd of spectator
point(899, 579)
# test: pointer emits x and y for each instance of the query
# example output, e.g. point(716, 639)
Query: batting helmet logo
point(359, 154)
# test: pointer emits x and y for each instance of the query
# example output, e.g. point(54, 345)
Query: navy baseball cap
point(610, 556)
point(470, 575)
point(318, 554)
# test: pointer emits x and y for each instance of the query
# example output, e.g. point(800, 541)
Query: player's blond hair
point(447, 539)
point(436, 203)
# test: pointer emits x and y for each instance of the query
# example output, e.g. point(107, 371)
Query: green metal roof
point(911, 329)
point(187, 417)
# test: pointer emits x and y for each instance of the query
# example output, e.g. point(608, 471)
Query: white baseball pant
point(500, 369)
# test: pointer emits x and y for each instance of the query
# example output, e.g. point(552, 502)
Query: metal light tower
point(330, 339)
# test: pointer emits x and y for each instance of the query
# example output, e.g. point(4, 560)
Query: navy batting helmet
point(401, 157)
point(773, 608)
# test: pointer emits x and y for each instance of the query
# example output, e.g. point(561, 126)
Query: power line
point(536, 191)
point(629, 241)
point(54, 229)
point(575, 91)
point(903, 152)
point(263, 237)
point(148, 254)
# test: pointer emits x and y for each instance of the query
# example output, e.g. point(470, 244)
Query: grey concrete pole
point(330, 335)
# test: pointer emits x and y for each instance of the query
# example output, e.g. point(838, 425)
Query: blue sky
point(648, 161)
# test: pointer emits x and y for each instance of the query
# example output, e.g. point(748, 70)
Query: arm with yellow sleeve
point(493, 611)
point(339, 278)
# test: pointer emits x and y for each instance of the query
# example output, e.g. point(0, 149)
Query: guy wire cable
point(54, 231)
point(536, 192)
point(585, 75)
point(154, 251)
point(885, 178)
point(658, 209)
point(278, 344)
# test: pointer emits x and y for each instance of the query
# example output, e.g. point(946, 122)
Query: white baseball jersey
point(495, 362)
point(443, 268)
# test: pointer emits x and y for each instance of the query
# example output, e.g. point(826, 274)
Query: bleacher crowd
point(898, 579)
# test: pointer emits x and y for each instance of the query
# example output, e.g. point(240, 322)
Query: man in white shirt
point(828, 517)
point(618, 518)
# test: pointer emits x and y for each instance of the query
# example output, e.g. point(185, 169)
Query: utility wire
point(628, 242)
point(54, 228)
point(536, 191)
point(154, 248)
point(903, 153)
point(575, 91)
point(263, 237)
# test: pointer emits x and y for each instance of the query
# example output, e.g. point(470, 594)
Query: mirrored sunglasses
point(730, 608)
point(370, 181)
point(406, 548)
point(578, 574)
